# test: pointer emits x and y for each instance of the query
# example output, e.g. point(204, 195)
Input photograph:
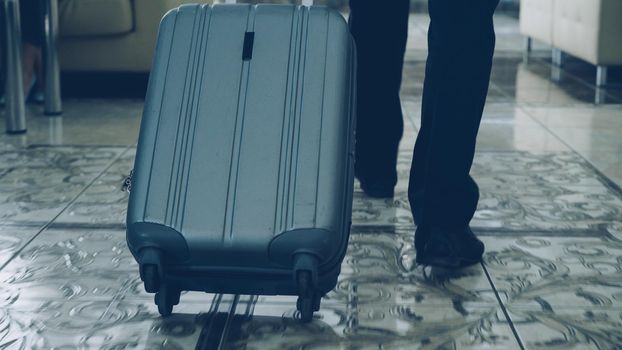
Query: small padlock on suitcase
point(243, 175)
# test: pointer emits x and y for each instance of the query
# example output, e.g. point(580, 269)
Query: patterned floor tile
point(374, 326)
point(37, 182)
point(76, 264)
point(519, 191)
point(96, 324)
point(614, 229)
point(557, 191)
point(556, 270)
point(367, 211)
point(569, 328)
point(72, 264)
point(104, 202)
point(246, 324)
point(13, 238)
point(379, 267)
point(378, 273)
point(95, 321)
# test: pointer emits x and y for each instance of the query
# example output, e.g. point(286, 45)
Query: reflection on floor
point(549, 166)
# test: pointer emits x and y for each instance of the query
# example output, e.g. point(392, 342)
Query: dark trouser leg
point(461, 43)
point(416, 186)
point(380, 32)
point(31, 13)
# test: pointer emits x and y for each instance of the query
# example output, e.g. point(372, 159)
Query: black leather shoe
point(377, 190)
point(448, 248)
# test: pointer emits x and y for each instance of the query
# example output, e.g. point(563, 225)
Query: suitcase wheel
point(305, 307)
point(309, 299)
point(150, 269)
point(166, 298)
point(151, 277)
point(317, 300)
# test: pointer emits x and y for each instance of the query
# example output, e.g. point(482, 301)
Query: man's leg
point(416, 186)
point(380, 32)
point(461, 43)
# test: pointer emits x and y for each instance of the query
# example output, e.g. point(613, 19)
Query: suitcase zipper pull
point(127, 182)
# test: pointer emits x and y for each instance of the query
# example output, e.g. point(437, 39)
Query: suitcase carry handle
point(302, 2)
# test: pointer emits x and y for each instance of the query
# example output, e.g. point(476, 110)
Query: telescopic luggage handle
point(302, 2)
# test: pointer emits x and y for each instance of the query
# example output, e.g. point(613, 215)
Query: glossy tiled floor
point(549, 164)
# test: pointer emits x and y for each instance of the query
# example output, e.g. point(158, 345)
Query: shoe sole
point(379, 196)
point(446, 263)
point(378, 193)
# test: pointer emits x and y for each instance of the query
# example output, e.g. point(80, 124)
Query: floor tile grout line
point(608, 182)
point(503, 308)
point(71, 202)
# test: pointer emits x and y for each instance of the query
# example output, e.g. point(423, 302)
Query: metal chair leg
point(558, 57)
point(53, 104)
point(527, 49)
point(601, 76)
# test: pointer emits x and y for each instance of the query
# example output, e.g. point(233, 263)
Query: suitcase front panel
point(235, 152)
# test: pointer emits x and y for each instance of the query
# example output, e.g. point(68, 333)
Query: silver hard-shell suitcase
point(243, 175)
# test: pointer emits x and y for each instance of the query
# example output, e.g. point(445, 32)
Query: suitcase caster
point(166, 298)
point(151, 269)
point(317, 300)
point(309, 300)
point(151, 277)
point(307, 306)
point(305, 274)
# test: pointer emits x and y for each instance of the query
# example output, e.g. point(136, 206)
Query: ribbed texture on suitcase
point(186, 126)
point(236, 149)
point(291, 126)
